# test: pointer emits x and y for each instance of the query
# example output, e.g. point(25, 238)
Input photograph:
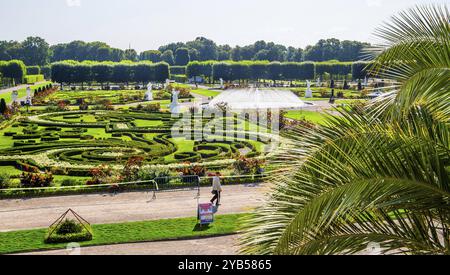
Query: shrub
point(246, 166)
point(69, 227)
point(5, 181)
point(193, 171)
point(132, 167)
point(104, 174)
point(70, 182)
point(152, 108)
point(151, 173)
point(30, 79)
point(35, 180)
point(69, 231)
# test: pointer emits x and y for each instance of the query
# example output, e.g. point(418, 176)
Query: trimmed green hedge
point(31, 79)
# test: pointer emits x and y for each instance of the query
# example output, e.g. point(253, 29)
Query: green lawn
point(183, 146)
point(10, 170)
point(22, 92)
point(148, 123)
point(314, 117)
point(206, 93)
point(203, 92)
point(104, 234)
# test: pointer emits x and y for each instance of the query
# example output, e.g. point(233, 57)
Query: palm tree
point(377, 174)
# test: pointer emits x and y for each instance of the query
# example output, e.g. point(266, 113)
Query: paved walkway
point(8, 90)
point(227, 245)
point(135, 206)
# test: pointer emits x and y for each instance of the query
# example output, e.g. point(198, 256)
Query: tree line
point(256, 70)
point(109, 72)
point(36, 51)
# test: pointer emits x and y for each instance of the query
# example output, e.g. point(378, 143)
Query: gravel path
point(24, 86)
point(136, 206)
point(227, 245)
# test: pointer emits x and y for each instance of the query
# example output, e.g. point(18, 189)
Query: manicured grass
point(10, 170)
point(105, 234)
point(22, 92)
point(58, 179)
point(310, 116)
point(206, 93)
point(203, 92)
point(183, 146)
point(148, 123)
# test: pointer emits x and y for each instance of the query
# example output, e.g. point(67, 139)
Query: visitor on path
point(217, 189)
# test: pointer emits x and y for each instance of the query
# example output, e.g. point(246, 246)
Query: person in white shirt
point(217, 189)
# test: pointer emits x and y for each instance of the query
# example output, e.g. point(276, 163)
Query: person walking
point(217, 189)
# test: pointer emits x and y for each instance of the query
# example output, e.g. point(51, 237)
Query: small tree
point(3, 107)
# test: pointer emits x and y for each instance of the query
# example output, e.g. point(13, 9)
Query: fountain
point(255, 99)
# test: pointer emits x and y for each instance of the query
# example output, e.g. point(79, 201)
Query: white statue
point(167, 83)
point(318, 82)
point(366, 82)
point(308, 93)
point(149, 93)
point(175, 107)
point(221, 84)
point(14, 96)
point(29, 98)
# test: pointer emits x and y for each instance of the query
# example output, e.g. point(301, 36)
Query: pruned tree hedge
point(108, 72)
point(256, 70)
point(14, 69)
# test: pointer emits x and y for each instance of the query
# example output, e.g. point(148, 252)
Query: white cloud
point(374, 3)
point(73, 3)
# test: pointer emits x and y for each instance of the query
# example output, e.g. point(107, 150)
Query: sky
point(148, 24)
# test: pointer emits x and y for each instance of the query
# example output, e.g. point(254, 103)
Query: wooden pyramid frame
point(85, 224)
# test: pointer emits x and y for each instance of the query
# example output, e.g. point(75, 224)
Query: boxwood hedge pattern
point(79, 139)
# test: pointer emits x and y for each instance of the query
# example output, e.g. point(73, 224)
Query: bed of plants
point(63, 148)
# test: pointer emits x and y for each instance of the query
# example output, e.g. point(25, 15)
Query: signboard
point(206, 213)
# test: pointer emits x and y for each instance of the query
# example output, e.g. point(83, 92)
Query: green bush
point(69, 227)
point(5, 181)
point(70, 182)
point(31, 79)
point(32, 180)
point(69, 231)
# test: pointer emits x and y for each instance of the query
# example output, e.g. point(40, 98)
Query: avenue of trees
point(109, 72)
point(255, 70)
point(36, 51)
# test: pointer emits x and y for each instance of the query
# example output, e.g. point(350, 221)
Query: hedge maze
point(71, 143)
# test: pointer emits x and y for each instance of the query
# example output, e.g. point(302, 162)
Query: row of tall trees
point(36, 51)
point(109, 72)
point(203, 49)
point(254, 70)
point(32, 51)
